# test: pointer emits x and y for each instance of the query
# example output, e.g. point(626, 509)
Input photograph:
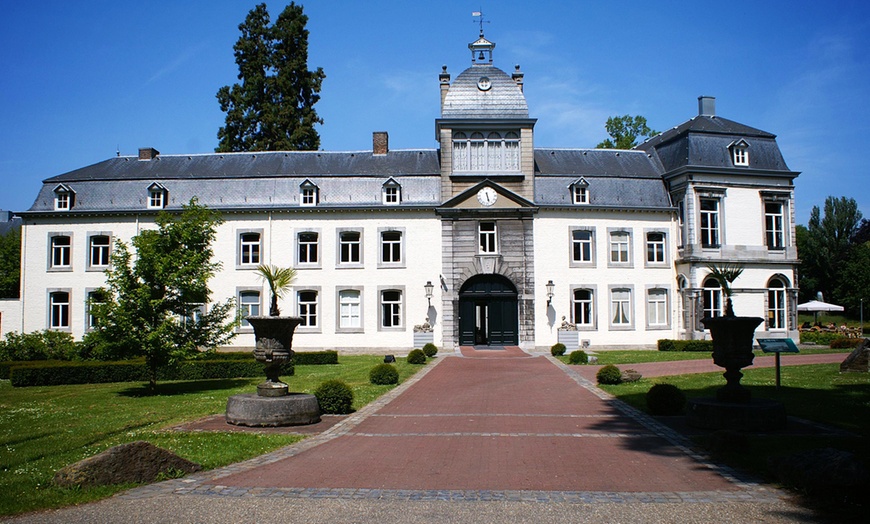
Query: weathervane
point(481, 21)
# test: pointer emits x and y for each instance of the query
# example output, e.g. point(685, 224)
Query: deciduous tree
point(154, 302)
point(272, 109)
point(625, 131)
point(10, 263)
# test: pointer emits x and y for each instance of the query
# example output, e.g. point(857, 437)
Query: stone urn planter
point(732, 350)
point(274, 339)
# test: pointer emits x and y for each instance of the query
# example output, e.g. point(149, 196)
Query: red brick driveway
point(493, 420)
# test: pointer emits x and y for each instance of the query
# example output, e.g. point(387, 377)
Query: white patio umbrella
point(815, 306)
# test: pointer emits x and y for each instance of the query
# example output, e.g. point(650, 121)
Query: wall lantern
point(429, 287)
point(550, 287)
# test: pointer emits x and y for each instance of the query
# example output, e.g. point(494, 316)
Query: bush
point(558, 349)
point(38, 345)
point(416, 356)
point(384, 374)
point(430, 350)
point(665, 399)
point(578, 357)
point(846, 343)
point(315, 358)
point(334, 397)
point(685, 345)
point(821, 338)
point(609, 374)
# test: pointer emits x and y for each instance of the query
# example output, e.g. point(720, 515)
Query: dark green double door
point(488, 313)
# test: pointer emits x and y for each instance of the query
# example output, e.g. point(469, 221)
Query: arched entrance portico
point(488, 312)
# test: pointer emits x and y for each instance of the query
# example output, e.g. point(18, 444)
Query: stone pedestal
point(294, 409)
point(755, 415)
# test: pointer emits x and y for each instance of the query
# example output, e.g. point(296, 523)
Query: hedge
point(685, 345)
point(300, 358)
point(54, 373)
point(822, 338)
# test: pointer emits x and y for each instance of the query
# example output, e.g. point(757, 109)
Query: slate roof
point(503, 100)
point(703, 142)
point(616, 178)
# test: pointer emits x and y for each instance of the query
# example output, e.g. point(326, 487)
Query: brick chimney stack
point(380, 142)
point(444, 79)
point(148, 153)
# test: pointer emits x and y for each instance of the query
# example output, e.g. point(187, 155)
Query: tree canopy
point(10, 263)
point(272, 109)
point(625, 131)
point(157, 303)
point(830, 257)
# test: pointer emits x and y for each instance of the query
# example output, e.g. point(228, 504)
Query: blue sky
point(84, 79)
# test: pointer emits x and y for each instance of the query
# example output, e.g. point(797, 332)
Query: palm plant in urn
point(732, 337)
point(274, 333)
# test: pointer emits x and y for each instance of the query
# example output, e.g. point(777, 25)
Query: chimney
point(380, 142)
point(518, 77)
point(706, 106)
point(148, 153)
point(444, 79)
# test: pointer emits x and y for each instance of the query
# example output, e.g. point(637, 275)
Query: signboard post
point(777, 346)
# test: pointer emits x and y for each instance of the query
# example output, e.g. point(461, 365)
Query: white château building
point(489, 237)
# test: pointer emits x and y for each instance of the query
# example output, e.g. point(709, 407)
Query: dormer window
point(156, 196)
point(739, 153)
point(392, 192)
point(309, 194)
point(63, 198)
point(580, 192)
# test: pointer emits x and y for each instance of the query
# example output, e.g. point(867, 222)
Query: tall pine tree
point(272, 109)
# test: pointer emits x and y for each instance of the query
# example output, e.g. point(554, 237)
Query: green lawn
point(817, 393)
point(45, 428)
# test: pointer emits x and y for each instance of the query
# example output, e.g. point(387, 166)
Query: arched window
point(776, 304)
point(712, 298)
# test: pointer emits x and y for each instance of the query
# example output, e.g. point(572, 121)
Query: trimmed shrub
point(55, 373)
point(846, 343)
point(685, 345)
point(334, 397)
point(665, 399)
point(38, 345)
point(315, 358)
point(609, 374)
point(416, 356)
point(384, 374)
point(578, 357)
point(430, 349)
point(558, 349)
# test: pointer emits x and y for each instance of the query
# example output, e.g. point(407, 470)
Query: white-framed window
point(249, 248)
point(620, 307)
point(709, 226)
point(681, 222)
point(776, 305)
point(488, 238)
point(94, 298)
point(58, 315)
point(657, 307)
point(391, 192)
point(64, 198)
point(580, 192)
point(582, 246)
point(740, 154)
point(391, 308)
point(391, 247)
point(349, 247)
point(309, 194)
point(496, 152)
point(99, 251)
point(156, 196)
point(655, 247)
point(712, 298)
point(249, 306)
point(61, 252)
point(308, 248)
point(774, 225)
point(620, 247)
point(349, 309)
point(582, 307)
point(306, 304)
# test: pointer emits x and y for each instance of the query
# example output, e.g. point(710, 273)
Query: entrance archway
point(488, 312)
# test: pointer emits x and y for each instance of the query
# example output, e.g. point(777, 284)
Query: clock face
point(487, 196)
point(484, 83)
